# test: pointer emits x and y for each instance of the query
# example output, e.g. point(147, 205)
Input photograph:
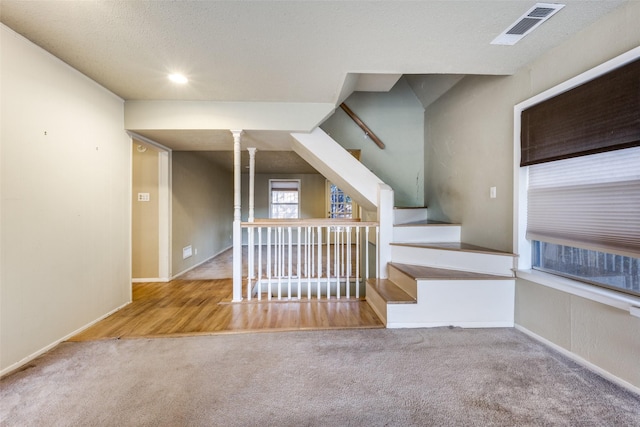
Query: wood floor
point(201, 307)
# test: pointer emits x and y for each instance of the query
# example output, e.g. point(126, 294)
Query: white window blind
point(590, 202)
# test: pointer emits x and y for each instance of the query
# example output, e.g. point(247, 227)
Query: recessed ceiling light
point(178, 78)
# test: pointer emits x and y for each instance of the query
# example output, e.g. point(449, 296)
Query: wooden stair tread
point(418, 272)
point(455, 246)
point(390, 292)
point(426, 222)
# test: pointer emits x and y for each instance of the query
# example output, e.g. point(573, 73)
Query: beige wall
point(397, 118)
point(65, 210)
point(144, 215)
point(469, 148)
point(603, 335)
point(312, 194)
point(202, 209)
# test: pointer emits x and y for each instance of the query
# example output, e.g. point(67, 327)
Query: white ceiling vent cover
point(527, 23)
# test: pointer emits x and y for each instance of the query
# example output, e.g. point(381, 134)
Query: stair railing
point(309, 259)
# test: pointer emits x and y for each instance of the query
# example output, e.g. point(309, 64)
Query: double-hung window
point(284, 198)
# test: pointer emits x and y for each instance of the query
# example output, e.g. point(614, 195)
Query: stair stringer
point(338, 166)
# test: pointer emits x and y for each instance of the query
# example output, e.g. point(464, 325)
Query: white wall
point(397, 118)
point(469, 148)
point(65, 209)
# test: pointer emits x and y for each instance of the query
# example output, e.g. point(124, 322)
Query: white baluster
point(328, 262)
point(348, 281)
point(299, 268)
point(336, 265)
point(280, 261)
point(377, 251)
point(259, 281)
point(269, 263)
point(319, 259)
point(366, 252)
point(290, 261)
point(357, 262)
point(249, 260)
point(311, 259)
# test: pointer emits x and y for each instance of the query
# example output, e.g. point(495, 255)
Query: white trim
point(585, 363)
point(594, 293)
point(164, 215)
point(200, 263)
point(151, 279)
point(468, 325)
point(9, 369)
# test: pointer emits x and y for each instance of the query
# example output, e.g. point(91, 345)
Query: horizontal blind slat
point(587, 203)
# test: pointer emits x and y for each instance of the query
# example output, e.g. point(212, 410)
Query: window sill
point(628, 303)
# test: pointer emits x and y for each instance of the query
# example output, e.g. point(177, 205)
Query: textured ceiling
point(289, 51)
point(283, 51)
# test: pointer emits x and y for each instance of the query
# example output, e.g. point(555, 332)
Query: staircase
point(436, 280)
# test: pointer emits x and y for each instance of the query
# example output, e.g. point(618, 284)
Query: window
point(340, 204)
point(599, 268)
point(583, 218)
point(284, 201)
point(577, 200)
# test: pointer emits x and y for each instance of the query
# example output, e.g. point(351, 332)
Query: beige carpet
point(381, 377)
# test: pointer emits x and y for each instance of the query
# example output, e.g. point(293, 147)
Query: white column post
point(252, 166)
point(237, 231)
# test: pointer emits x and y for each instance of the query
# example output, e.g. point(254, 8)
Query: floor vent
point(527, 23)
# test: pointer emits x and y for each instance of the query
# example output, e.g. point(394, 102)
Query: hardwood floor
point(196, 307)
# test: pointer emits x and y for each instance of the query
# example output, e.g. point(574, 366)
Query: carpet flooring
point(374, 377)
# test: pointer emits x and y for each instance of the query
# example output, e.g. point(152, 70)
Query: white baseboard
point(150, 279)
point(468, 325)
point(595, 368)
point(17, 365)
point(200, 263)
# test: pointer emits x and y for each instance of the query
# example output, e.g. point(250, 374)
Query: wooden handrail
point(362, 125)
point(309, 222)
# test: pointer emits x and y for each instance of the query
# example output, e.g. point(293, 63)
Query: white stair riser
point(468, 303)
point(500, 265)
point(426, 234)
point(404, 216)
point(404, 282)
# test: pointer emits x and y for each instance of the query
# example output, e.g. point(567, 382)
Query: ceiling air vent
point(527, 23)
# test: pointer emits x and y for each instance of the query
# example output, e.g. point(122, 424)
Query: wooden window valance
point(600, 115)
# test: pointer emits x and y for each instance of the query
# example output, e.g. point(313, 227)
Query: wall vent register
point(528, 22)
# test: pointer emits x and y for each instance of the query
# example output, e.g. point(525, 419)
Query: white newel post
point(237, 231)
point(385, 218)
point(252, 166)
